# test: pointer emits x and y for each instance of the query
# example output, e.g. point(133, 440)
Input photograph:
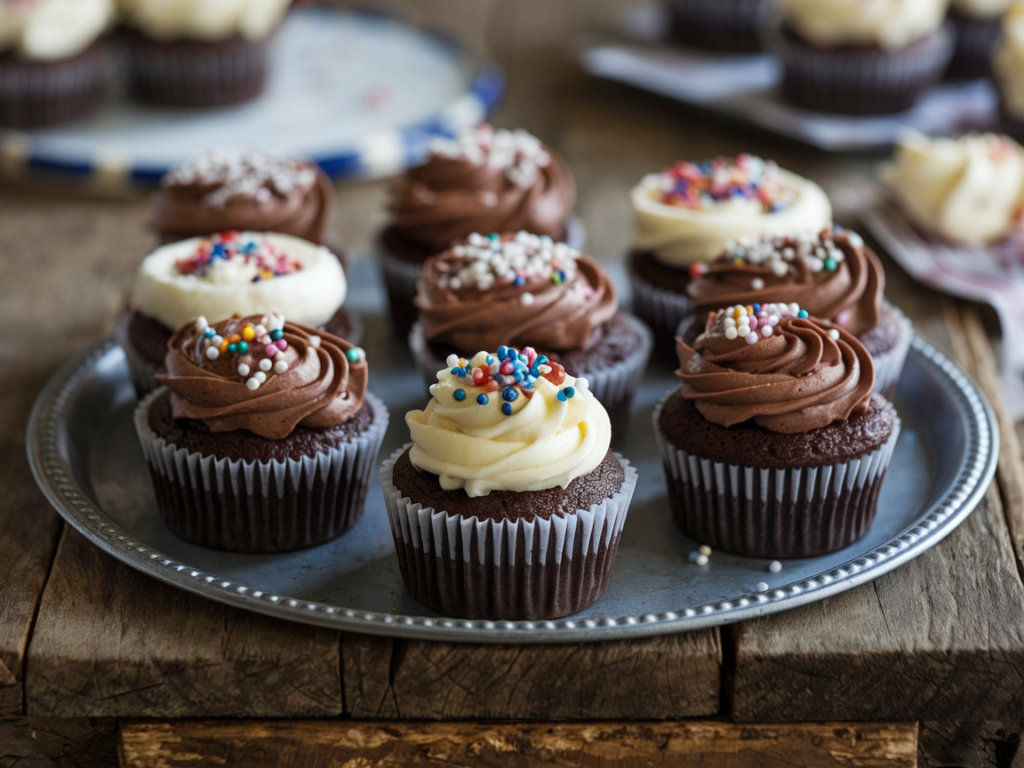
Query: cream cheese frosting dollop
point(531, 429)
point(204, 19)
point(967, 190)
point(1008, 62)
point(888, 24)
point(177, 283)
point(49, 30)
point(756, 198)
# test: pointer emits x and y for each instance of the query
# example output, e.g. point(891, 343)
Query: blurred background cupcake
point(976, 24)
point(690, 212)
point(481, 181)
point(232, 273)
point(732, 26)
point(522, 290)
point(861, 58)
point(198, 53)
point(53, 60)
point(1008, 70)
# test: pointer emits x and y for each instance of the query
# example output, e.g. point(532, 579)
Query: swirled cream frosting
point(508, 421)
point(1008, 63)
point(49, 30)
point(888, 24)
point(968, 190)
point(263, 375)
point(690, 211)
point(776, 367)
point(240, 273)
point(204, 19)
point(520, 290)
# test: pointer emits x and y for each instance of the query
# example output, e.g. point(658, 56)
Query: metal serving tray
point(85, 457)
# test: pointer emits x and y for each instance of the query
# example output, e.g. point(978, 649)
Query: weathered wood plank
point(663, 677)
point(611, 745)
point(978, 745)
point(34, 742)
point(941, 638)
point(110, 642)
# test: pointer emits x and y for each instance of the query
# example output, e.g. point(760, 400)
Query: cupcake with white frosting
point(976, 24)
point(689, 213)
point(1008, 68)
point(966, 191)
point(52, 60)
point(233, 273)
point(858, 58)
point(198, 53)
point(508, 503)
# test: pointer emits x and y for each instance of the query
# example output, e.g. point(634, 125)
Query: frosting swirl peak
point(778, 367)
point(508, 421)
point(263, 375)
point(520, 289)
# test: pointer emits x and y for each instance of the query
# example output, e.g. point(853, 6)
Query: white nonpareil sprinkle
point(487, 261)
point(780, 254)
point(241, 173)
point(774, 566)
point(833, 334)
point(761, 587)
point(520, 154)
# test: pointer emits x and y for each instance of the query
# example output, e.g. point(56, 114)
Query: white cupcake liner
point(256, 506)
point(779, 513)
point(507, 569)
point(614, 387)
point(662, 310)
point(889, 365)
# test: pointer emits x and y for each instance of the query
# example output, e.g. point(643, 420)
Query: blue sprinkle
point(569, 391)
point(482, 399)
point(802, 314)
point(276, 334)
point(506, 408)
point(541, 359)
point(519, 281)
point(546, 239)
point(692, 557)
point(490, 359)
point(209, 333)
point(460, 395)
point(562, 395)
point(455, 371)
point(838, 229)
point(462, 373)
point(502, 351)
point(510, 394)
point(534, 372)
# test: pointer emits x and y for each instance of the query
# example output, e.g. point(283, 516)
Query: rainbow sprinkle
point(706, 185)
point(754, 322)
point(510, 372)
point(253, 260)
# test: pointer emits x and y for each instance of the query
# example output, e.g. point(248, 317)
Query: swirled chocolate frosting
point(263, 375)
point(519, 290)
point(243, 190)
point(777, 368)
point(832, 275)
point(483, 181)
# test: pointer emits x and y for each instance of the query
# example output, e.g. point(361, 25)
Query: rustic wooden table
point(926, 663)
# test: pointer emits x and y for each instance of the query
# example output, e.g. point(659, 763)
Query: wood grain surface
point(610, 745)
point(45, 742)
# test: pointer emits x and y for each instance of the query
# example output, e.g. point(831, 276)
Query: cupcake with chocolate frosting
point(481, 181)
point(243, 190)
point(519, 462)
point(231, 273)
point(832, 274)
point(775, 444)
point(689, 212)
point(264, 437)
point(527, 290)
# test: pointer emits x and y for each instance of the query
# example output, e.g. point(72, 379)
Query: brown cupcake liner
point(141, 370)
point(662, 310)
point(773, 513)
point(975, 41)
point(37, 94)
point(251, 506)
point(193, 73)
point(506, 570)
point(863, 81)
point(719, 25)
point(614, 387)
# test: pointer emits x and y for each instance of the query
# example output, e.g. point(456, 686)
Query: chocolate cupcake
point(233, 273)
point(243, 190)
point(861, 59)
point(53, 60)
point(730, 26)
point(527, 291)
point(1008, 70)
point(481, 181)
point(775, 445)
point(508, 504)
point(190, 53)
point(832, 275)
point(689, 212)
point(976, 26)
point(264, 439)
